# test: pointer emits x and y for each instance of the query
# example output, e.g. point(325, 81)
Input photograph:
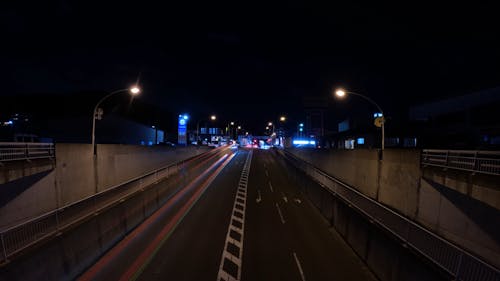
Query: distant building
point(68, 118)
point(315, 108)
point(465, 122)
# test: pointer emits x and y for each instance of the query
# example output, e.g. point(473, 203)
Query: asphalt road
point(251, 226)
point(286, 237)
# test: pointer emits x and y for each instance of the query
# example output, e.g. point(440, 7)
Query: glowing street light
point(213, 117)
point(282, 118)
point(134, 91)
point(229, 130)
point(340, 93)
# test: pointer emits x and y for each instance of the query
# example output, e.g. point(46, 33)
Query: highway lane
point(283, 237)
point(131, 254)
point(194, 250)
point(286, 237)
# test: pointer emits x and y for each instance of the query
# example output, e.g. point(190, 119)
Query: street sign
point(182, 130)
point(379, 121)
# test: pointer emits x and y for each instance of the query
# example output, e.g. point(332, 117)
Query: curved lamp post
point(341, 93)
point(134, 91)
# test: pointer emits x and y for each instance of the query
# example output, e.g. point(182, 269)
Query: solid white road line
point(281, 215)
point(300, 267)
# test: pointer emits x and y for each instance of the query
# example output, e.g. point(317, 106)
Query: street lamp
point(341, 94)
point(134, 91)
point(229, 128)
point(271, 124)
point(212, 117)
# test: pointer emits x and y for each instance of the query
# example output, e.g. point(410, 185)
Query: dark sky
point(247, 60)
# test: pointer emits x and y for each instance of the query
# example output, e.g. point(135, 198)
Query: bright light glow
point(270, 124)
point(300, 129)
point(282, 118)
point(239, 127)
point(153, 127)
point(186, 117)
point(378, 114)
point(213, 117)
point(232, 123)
point(340, 93)
point(360, 140)
point(267, 128)
point(300, 142)
point(304, 142)
point(135, 90)
point(301, 125)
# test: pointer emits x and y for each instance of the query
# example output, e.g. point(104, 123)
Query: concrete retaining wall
point(75, 248)
point(13, 170)
point(78, 175)
point(461, 207)
point(384, 255)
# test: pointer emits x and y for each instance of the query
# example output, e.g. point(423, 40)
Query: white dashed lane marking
point(284, 197)
point(299, 266)
point(281, 215)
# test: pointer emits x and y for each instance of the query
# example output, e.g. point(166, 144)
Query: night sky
point(249, 61)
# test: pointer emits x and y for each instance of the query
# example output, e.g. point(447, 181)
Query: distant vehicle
point(167, 143)
point(213, 144)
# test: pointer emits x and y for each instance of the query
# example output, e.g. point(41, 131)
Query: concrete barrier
point(78, 175)
point(68, 254)
point(13, 170)
point(388, 259)
point(461, 207)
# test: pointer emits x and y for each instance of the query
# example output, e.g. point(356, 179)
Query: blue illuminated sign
point(182, 129)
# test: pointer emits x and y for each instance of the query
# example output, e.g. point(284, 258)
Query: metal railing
point(486, 162)
point(456, 261)
point(19, 237)
point(10, 151)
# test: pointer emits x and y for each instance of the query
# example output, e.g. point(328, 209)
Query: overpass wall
point(13, 170)
point(78, 175)
point(463, 209)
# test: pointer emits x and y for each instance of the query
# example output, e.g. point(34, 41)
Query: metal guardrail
point(457, 262)
point(10, 151)
point(486, 162)
point(17, 238)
